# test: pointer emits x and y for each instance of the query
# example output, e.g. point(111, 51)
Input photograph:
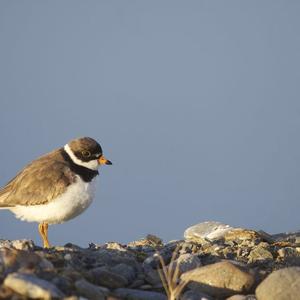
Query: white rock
point(209, 230)
point(32, 287)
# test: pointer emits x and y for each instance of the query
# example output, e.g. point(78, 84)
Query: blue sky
point(195, 102)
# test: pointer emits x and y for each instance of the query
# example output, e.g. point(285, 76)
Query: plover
point(55, 187)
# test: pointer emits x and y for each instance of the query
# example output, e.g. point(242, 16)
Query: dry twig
point(170, 276)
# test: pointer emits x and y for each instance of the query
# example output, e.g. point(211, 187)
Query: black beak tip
point(108, 162)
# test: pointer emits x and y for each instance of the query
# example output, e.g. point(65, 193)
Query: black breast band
point(85, 174)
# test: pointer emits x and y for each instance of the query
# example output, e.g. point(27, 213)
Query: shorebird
point(55, 187)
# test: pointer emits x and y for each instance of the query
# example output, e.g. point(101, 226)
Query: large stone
point(17, 244)
point(195, 295)
point(242, 297)
point(260, 254)
point(89, 290)
point(209, 230)
point(110, 257)
point(240, 234)
point(282, 284)
point(106, 277)
point(126, 271)
point(131, 294)
point(187, 262)
point(32, 287)
point(12, 260)
point(219, 279)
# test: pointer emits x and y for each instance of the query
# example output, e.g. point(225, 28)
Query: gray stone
point(195, 295)
point(131, 294)
point(12, 260)
point(62, 283)
point(237, 297)
point(287, 252)
point(126, 271)
point(17, 244)
point(89, 290)
point(151, 275)
point(283, 284)
point(136, 283)
point(209, 230)
point(104, 276)
point(110, 257)
point(187, 262)
point(242, 297)
point(220, 279)
point(260, 254)
point(30, 286)
point(292, 237)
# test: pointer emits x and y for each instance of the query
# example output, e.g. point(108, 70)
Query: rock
point(260, 254)
point(291, 237)
point(136, 284)
point(239, 235)
point(17, 244)
point(106, 277)
point(151, 275)
point(6, 293)
point(64, 284)
point(132, 294)
point(115, 246)
point(237, 297)
point(89, 290)
point(150, 242)
point(111, 257)
point(209, 230)
point(283, 284)
point(287, 252)
point(155, 240)
point(126, 271)
point(30, 286)
point(187, 262)
point(83, 272)
point(242, 297)
point(12, 260)
point(219, 279)
point(195, 295)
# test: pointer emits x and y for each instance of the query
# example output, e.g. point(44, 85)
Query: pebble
point(187, 262)
point(226, 260)
point(30, 286)
point(287, 252)
point(283, 284)
point(12, 260)
point(220, 279)
point(260, 254)
point(89, 290)
point(209, 230)
point(139, 295)
point(195, 295)
point(17, 244)
point(126, 271)
point(242, 297)
point(107, 277)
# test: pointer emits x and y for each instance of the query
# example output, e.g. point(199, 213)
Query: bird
point(55, 187)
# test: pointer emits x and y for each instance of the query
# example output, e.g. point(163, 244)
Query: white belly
point(69, 205)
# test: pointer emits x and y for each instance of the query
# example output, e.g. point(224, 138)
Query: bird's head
point(86, 152)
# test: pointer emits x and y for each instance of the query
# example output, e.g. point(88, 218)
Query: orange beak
point(103, 161)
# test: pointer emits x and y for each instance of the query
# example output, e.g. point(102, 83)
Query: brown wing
point(39, 182)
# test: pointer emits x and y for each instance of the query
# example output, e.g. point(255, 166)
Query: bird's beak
point(103, 161)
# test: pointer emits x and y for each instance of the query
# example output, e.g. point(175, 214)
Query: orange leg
point(43, 230)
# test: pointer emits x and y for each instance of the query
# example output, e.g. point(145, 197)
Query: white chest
point(73, 202)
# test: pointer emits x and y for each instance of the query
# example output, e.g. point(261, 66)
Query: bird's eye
point(86, 153)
